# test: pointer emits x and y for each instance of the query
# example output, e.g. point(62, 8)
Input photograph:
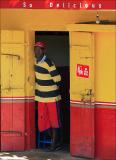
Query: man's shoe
point(58, 147)
point(50, 149)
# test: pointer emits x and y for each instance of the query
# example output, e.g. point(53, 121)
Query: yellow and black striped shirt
point(47, 81)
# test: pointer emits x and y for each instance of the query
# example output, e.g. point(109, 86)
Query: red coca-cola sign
point(82, 71)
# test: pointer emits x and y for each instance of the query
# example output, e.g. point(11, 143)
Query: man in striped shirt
point(47, 93)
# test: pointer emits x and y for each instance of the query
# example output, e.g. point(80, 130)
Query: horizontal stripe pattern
point(52, 99)
point(47, 94)
point(93, 104)
point(32, 98)
point(105, 106)
point(105, 103)
point(96, 102)
point(54, 73)
point(43, 76)
point(40, 69)
point(47, 81)
point(82, 105)
point(17, 99)
point(45, 88)
point(23, 97)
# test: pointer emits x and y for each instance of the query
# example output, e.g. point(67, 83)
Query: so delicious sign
point(59, 4)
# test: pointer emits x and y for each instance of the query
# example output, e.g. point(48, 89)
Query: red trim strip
point(21, 97)
point(27, 99)
point(60, 4)
point(71, 101)
point(107, 104)
point(96, 103)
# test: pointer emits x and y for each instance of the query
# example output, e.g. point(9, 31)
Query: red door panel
point(82, 127)
point(6, 126)
point(19, 126)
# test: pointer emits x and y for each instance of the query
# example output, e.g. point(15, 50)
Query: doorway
point(57, 49)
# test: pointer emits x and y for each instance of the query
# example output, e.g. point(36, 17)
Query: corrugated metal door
point(82, 94)
point(12, 90)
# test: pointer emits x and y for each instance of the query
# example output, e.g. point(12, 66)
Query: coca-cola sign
point(82, 71)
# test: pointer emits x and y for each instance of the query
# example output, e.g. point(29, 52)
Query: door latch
point(12, 55)
point(86, 96)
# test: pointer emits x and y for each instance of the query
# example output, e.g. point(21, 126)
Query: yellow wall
point(12, 63)
point(81, 52)
point(57, 20)
point(105, 62)
point(48, 19)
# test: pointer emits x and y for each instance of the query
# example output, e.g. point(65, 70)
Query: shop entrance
point(57, 49)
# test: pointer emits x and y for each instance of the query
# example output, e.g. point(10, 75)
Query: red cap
point(40, 44)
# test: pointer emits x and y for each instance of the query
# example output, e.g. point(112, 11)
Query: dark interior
point(57, 49)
